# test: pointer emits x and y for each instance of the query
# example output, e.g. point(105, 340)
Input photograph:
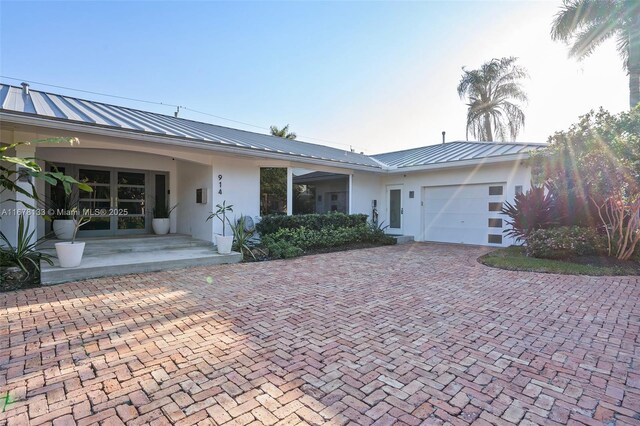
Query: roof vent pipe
point(443, 133)
point(25, 88)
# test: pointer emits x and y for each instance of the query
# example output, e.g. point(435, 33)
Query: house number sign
point(220, 184)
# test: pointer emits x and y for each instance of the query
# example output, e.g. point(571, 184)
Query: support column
point(289, 191)
point(349, 196)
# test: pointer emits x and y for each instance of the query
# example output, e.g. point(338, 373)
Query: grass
point(514, 259)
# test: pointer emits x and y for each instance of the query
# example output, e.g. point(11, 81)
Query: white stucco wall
point(240, 186)
point(191, 215)
point(513, 173)
point(366, 187)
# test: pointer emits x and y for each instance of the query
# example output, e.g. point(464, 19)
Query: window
point(496, 190)
point(495, 207)
point(273, 190)
point(495, 223)
point(518, 189)
point(495, 239)
point(412, 194)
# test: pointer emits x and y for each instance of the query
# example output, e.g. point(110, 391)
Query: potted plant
point(161, 223)
point(223, 242)
point(70, 252)
point(20, 265)
point(63, 221)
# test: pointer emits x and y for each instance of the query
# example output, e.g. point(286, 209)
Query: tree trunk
point(634, 61)
point(634, 87)
point(487, 127)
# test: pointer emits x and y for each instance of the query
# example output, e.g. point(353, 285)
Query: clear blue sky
point(378, 76)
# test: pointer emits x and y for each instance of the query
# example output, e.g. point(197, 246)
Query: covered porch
point(110, 256)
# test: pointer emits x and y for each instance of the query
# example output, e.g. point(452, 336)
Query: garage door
point(467, 214)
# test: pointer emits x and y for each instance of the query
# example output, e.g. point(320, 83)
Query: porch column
point(26, 151)
point(289, 191)
point(349, 192)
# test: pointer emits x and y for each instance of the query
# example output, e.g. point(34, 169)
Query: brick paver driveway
point(403, 334)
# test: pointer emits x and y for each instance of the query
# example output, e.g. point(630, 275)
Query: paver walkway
point(403, 334)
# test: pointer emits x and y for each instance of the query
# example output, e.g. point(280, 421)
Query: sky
point(372, 76)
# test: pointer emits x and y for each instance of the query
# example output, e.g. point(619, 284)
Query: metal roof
point(451, 152)
point(50, 106)
point(91, 113)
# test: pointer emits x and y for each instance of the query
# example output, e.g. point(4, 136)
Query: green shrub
point(289, 241)
point(565, 242)
point(272, 223)
point(282, 250)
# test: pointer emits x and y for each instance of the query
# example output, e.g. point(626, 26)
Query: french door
point(117, 203)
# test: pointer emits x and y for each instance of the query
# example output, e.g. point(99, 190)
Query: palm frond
point(576, 14)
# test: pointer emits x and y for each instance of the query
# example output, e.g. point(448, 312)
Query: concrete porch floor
point(134, 254)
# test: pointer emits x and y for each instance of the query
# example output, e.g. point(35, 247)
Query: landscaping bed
point(284, 237)
point(515, 258)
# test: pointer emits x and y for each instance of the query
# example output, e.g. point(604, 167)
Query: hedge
point(273, 223)
point(293, 242)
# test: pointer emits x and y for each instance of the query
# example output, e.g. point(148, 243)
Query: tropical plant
point(79, 220)
point(10, 175)
point(283, 132)
point(620, 214)
point(585, 24)
point(163, 211)
point(221, 214)
point(243, 238)
point(589, 161)
point(494, 94)
point(25, 253)
point(531, 210)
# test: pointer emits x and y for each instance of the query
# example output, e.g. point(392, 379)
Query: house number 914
point(220, 184)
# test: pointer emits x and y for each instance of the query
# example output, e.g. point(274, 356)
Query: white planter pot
point(224, 244)
point(63, 228)
point(161, 226)
point(69, 254)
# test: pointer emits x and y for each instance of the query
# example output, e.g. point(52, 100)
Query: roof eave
point(30, 120)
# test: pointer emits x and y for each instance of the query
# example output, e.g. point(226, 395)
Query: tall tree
point(283, 133)
point(585, 24)
point(494, 94)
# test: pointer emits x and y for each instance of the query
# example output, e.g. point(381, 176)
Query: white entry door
point(394, 209)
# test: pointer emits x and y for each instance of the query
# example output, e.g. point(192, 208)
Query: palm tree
point(493, 93)
point(587, 23)
point(283, 133)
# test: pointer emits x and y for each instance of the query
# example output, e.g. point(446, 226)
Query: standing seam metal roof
point(454, 151)
point(65, 108)
point(59, 107)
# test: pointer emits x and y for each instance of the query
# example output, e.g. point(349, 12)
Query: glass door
point(129, 206)
point(117, 203)
point(394, 209)
point(98, 202)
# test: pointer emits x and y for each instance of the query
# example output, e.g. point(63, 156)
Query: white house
point(449, 192)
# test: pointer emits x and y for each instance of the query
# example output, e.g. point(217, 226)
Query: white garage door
point(467, 214)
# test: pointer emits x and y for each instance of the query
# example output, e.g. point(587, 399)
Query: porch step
point(129, 255)
point(403, 239)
